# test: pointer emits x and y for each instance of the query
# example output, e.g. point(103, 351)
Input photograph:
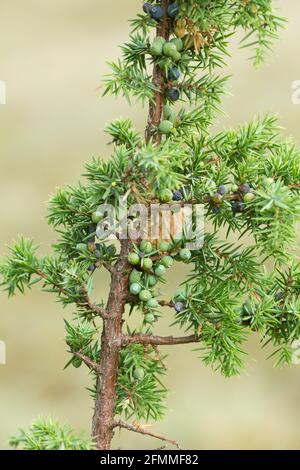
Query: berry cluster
point(91, 251)
point(169, 55)
point(150, 266)
point(246, 195)
point(156, 12)
point(240, 196)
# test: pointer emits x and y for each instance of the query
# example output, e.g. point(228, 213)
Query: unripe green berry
point(139, 373)
point(176, 56)
point(96, 217)
point(248, 197)
point(152, 303)
point(156, 48)
point(133, 258)
point(76, 362)
point(147, 263)
point(166, 195)
point(135, 276)
point(146, 247)
point(149, 318)
point(168, 111)
point(185, 57)
point(164, 246)
point(268, 181)
point(135, 288)
point(167, 261)
point(178, 43)
point(180, 294)
point(169, 49)
point(160, 270)
point(165, 127)
point(152, 281)
point(185, 254)
point(81, 247)
point(145, 295)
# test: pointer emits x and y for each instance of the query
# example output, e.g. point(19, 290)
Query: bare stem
point(159, 340)
point(138, 429)
point(93, 365)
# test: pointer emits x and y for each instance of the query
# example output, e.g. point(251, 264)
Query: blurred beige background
point(52, 57)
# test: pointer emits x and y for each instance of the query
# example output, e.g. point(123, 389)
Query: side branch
point(159, 340)
point(86, 303)
point(138, 429)
point(93, 365)
point(91, 305)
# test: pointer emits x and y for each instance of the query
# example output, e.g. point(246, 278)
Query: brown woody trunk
point(110, 350)
point(103, 419)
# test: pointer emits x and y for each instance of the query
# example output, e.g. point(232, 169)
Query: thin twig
point(87, 301)
point(138, 429)
point(93, 365)
point(158, 340)
point(91, 305)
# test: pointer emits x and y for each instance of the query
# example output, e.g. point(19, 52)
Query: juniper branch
point(159, 340)
point(140, 430)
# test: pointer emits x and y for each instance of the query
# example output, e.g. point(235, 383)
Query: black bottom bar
point(135, 459)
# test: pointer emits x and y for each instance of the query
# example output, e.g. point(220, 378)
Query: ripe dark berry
point(156, 12)
point(177, 195)
point(179, 307)
point(92, 268)
point(173, 74)
point(222, 190)
point(173, 10)
point(146, 7)
point(97, 254)
point(174, 94)
point(237, 206)
point(245, 188)
point(279, 296)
